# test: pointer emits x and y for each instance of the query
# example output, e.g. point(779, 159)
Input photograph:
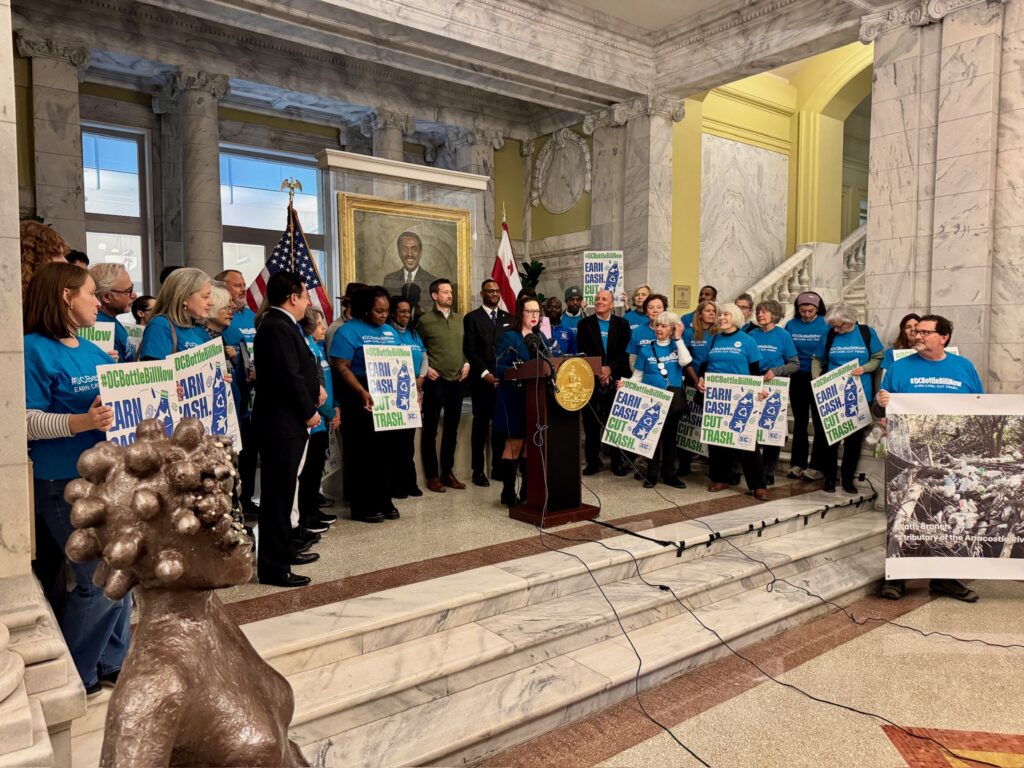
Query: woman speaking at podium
point(514, 348)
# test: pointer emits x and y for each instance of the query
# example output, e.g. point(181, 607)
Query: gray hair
point(841, 314)
point(106, 276)
point(772, 306)
point(734, 312)
point(178, 286)
point(221, 297)
point(671, 319)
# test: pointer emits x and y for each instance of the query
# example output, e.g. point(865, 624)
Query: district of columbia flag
point(292, 253)
point(506, 272)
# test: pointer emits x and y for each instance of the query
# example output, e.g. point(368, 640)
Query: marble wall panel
point(647, 201)
point(968, 96)
point(891, 256)
point(1005, 361)
point(1011, 129)
point(896, 80)
point(894, 185)
point(1004, 323)
point(744, 190)
point(970, 58)
point(965, 173)
point(1012, 51)
point(970, 326)
point(892, 116)
point(963, 211)
point(923, 253)
point(15, 544)
point(1009, 241)
point(966, 135)
point(1011, 89)
point(961, 286)
point(897, 150)
point(889, 221)
point(1010, 169)
point(963, 247)
point(606, 199)
point(972, 22)
point(897, 45)
point(888, 290)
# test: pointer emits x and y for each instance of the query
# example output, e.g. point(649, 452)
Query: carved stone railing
point(854, 253)
point(786, 281)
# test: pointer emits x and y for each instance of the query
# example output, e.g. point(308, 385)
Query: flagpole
point(291, 185)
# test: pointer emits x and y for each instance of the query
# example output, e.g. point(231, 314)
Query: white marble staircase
point(455, 669)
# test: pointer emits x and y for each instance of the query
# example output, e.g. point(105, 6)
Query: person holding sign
point(733, 351)
point(115, 291)
point(778, 358)
point(807, 329)
point(370, 498)
point(184, 301)
point(65, 417)
point(661, 364)
point(524, 342)
point(402, 308)
point(931, 371)
point(846, 340)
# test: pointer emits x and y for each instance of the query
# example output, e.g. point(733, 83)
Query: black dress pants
point(440, 396)
point(595, 416)
point(310, 477)
point(664, 458)
point(248, 458)
point(404, 446)
point(720, 461)
point(369, 459)
point(279, 474)
point(484, 396)
point(851, 456)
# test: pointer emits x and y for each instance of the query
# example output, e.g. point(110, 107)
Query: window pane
point(247, 259)
point(122, 249)
point(111, 175)
point(251, 196)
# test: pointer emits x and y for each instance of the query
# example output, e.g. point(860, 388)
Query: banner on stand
point(603, 271)
point(138, 391)
point(730, 405)
point(100, 334)
point(688, 435)
point(842, 406)
point(392, 383)
point(954, 480)
point(637, 417)
point(773, 412)
point(199, 372)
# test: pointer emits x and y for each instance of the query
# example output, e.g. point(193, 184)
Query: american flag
point(292, 245)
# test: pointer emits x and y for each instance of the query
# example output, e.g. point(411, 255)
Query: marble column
point(473, 149)
point(57, 132)
point(606, 196)
point(199, 94)
point(387, 130)
point(646, 222)
point(167, 226)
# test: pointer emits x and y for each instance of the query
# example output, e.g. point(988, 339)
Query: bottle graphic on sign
point(402, 388)
point(163, 413)
point(770, 412)
point(219, 424)
point(850, 397)
point(647, 421)
point(612, 281)
point(744, 410)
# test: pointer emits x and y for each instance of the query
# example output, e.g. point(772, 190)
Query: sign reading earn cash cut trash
point(392, 384)
point(730, 410)
point(207, 397)
point(688, 436)
point(138, 391)
point(842, 406)
point(773, 412)
point(637, 417)
point(603, 271)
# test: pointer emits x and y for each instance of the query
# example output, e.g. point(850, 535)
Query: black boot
point(508, 482)
point(522, 474)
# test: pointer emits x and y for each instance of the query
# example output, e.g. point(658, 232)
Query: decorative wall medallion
point(562, 172)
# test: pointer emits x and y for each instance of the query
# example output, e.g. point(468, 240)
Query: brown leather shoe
point(716, 487)
point(434, 484)
point(451, 482)
point(761, 494)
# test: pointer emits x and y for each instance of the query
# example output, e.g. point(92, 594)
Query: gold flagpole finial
point(503, 213)
point(291, 185)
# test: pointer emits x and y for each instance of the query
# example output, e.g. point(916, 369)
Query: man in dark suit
point(483, 327)
point(285, 409)
point(603, 335)
point(410, 251)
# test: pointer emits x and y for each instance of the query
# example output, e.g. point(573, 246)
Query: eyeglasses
point(917, 332)
point(492, 290)
point(127, 291)
point(531, 311)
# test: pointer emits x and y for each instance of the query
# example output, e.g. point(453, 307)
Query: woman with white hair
point(732, 351)
point(116, 293)
point(778, 358)
point(184, 301)
point(846, 340)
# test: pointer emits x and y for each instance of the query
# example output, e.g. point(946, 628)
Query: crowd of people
point(295, 381)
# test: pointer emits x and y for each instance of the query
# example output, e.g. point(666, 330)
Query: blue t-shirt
point(571, 321)
point(157, 343)
point(847, 347)
point(807, 337)
point(776, 347)
point(640, 338)
point(61, 379)
point(687, 320)
point(242, 328)
point(327, 409)
point(409, 338)
point(732, 353)
point(635, 319)
point(124, 349)
point(667, 354)
point(698, 349)
point(563, 340)
point(352, 336)
point(953, 375)
point(603, 325)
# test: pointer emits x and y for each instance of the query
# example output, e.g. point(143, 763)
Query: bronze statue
point(192, 691)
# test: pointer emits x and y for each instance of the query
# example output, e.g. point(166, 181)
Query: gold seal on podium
point(574, 382)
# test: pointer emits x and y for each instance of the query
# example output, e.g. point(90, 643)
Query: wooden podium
point(553, 469)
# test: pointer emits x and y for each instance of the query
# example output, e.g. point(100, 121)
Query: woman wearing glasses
point(514, 348)
point(661, 364)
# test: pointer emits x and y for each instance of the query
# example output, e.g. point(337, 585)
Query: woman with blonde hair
point(40, 245)
point(185, 299)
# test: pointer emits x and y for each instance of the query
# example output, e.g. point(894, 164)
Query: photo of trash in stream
point(955, 486)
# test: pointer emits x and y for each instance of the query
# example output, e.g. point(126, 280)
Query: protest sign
point(637, 417)
point(730, 405)
point(688, 436)
point(207, 397)
point(138, 391)
point(954, 478)
point(603, 271)
point(100, 334)
point(899, 354)
point(135, 336)
point(842, 406)
point(392, 383)
point(772, 413)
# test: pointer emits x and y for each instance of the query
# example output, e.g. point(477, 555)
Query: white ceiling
point(651, 15)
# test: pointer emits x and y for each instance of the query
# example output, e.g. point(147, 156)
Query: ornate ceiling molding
point(557, 144)
point(381, 118)
point(912, 13)
point(187, 79)
point(468, 137)
point(642, 106)
point(32, 45)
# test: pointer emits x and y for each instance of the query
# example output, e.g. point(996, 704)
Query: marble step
point(330, 633)
point(335, 698)
point(39, 752)
point(471, 724)
point(95, 713)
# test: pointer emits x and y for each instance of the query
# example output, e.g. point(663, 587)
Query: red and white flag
point(506, 272)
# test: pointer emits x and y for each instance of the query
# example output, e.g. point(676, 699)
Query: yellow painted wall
point(281, 123)
point(116, 94)
point(577, 219)
point(509, 188)
point(23, 122)
point(686, 160)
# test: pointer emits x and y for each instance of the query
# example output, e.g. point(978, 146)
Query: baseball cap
point(573, 290)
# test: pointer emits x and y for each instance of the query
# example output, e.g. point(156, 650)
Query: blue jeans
point(96, 628)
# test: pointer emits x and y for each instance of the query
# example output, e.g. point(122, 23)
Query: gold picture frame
point(369, 230)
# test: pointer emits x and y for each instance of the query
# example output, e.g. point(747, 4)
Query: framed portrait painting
point(405, 246)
